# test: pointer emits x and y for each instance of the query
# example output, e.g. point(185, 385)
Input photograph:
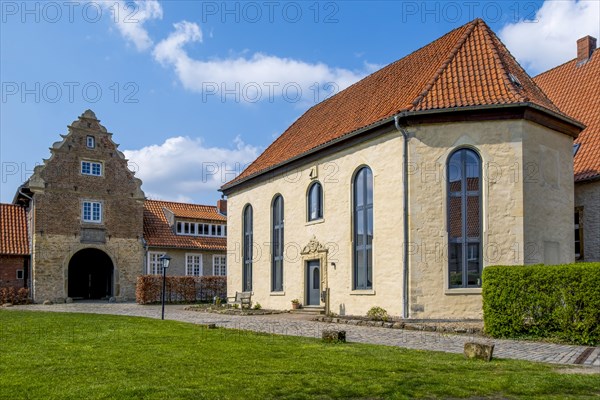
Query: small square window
point(91, 142)
point(20, 274)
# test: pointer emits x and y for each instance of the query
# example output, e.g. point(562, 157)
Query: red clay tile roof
point(575, 89)
point(194, 211)
point(13, 230)
point(468, 66)
point(157, 232)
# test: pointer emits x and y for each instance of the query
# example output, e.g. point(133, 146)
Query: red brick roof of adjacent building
point(13, 230)
point(467, 67)
point(158, 233)
point(575, 89)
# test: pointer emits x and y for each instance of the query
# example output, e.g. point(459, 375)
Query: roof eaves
point(316, 149)
point(588, 179)
point(151, 247)
point(401, 114)
point(496, 106)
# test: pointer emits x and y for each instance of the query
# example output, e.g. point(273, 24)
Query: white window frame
point(188, 228)
point(87, 168)
point(192, 268)
point(154, 264)
point(91, 218)
point(20, 274)
point(220, 267)
point(90, 142)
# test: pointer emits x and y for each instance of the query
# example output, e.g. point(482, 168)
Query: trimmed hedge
point(545, 301)
point(180, 289)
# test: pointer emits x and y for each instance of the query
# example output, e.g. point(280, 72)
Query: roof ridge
point(331, 98)
point(182, 203)
point(565, 63)
point(488, 35)
point(460, 43)
point(498, 41)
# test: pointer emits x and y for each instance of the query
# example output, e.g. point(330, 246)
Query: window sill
point(370, 292)
point(463, 291)
point(315, 222)
point(277, 294)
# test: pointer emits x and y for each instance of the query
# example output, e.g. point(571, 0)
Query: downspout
point(31, 285)
point(405, 285)
point(145, 261)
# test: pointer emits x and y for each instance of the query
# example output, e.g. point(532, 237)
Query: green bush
point(378, 314)
point(545, 301)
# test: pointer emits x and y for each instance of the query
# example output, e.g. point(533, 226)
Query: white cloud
point(550, 39)
point(250, 79)
point(183, 168)
point(129, 17)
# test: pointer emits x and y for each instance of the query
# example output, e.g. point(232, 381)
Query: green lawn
point(85, 356)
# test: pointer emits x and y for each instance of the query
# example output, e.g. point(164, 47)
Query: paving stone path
point(301, 325)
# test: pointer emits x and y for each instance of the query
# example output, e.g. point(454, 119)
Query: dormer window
point(91, 168)
point(90, 142)
point(200, 229)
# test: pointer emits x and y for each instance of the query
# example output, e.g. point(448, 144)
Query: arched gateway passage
point(90, 275)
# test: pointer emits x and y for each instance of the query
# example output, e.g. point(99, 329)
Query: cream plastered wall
point(587, 195)
point(499, 144)
point(335, 173)
point(549, 196)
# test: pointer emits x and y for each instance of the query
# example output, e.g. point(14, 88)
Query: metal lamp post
point(165, 260)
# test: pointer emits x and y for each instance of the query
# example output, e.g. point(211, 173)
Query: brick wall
point(9, 265)
point(59, 203)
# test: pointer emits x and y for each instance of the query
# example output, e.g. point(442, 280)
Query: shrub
point(560, 301)
point(257, 306)
point(180, 288)
point(378, 314)
point(14, 296)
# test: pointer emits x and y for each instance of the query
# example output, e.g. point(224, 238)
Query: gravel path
point(301, 325)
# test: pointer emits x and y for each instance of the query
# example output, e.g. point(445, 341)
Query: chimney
point(585, 47)
point(222, 206)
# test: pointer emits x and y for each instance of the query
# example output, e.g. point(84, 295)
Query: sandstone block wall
point(52, 254)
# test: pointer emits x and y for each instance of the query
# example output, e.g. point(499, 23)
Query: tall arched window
point(277, 245)
point(363, 229)
point(315, 202)
point(464, 219)
point(247, 256)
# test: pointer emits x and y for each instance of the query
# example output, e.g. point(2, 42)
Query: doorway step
point(309, 310)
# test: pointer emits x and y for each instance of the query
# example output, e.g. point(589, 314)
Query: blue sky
point(194, 90)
